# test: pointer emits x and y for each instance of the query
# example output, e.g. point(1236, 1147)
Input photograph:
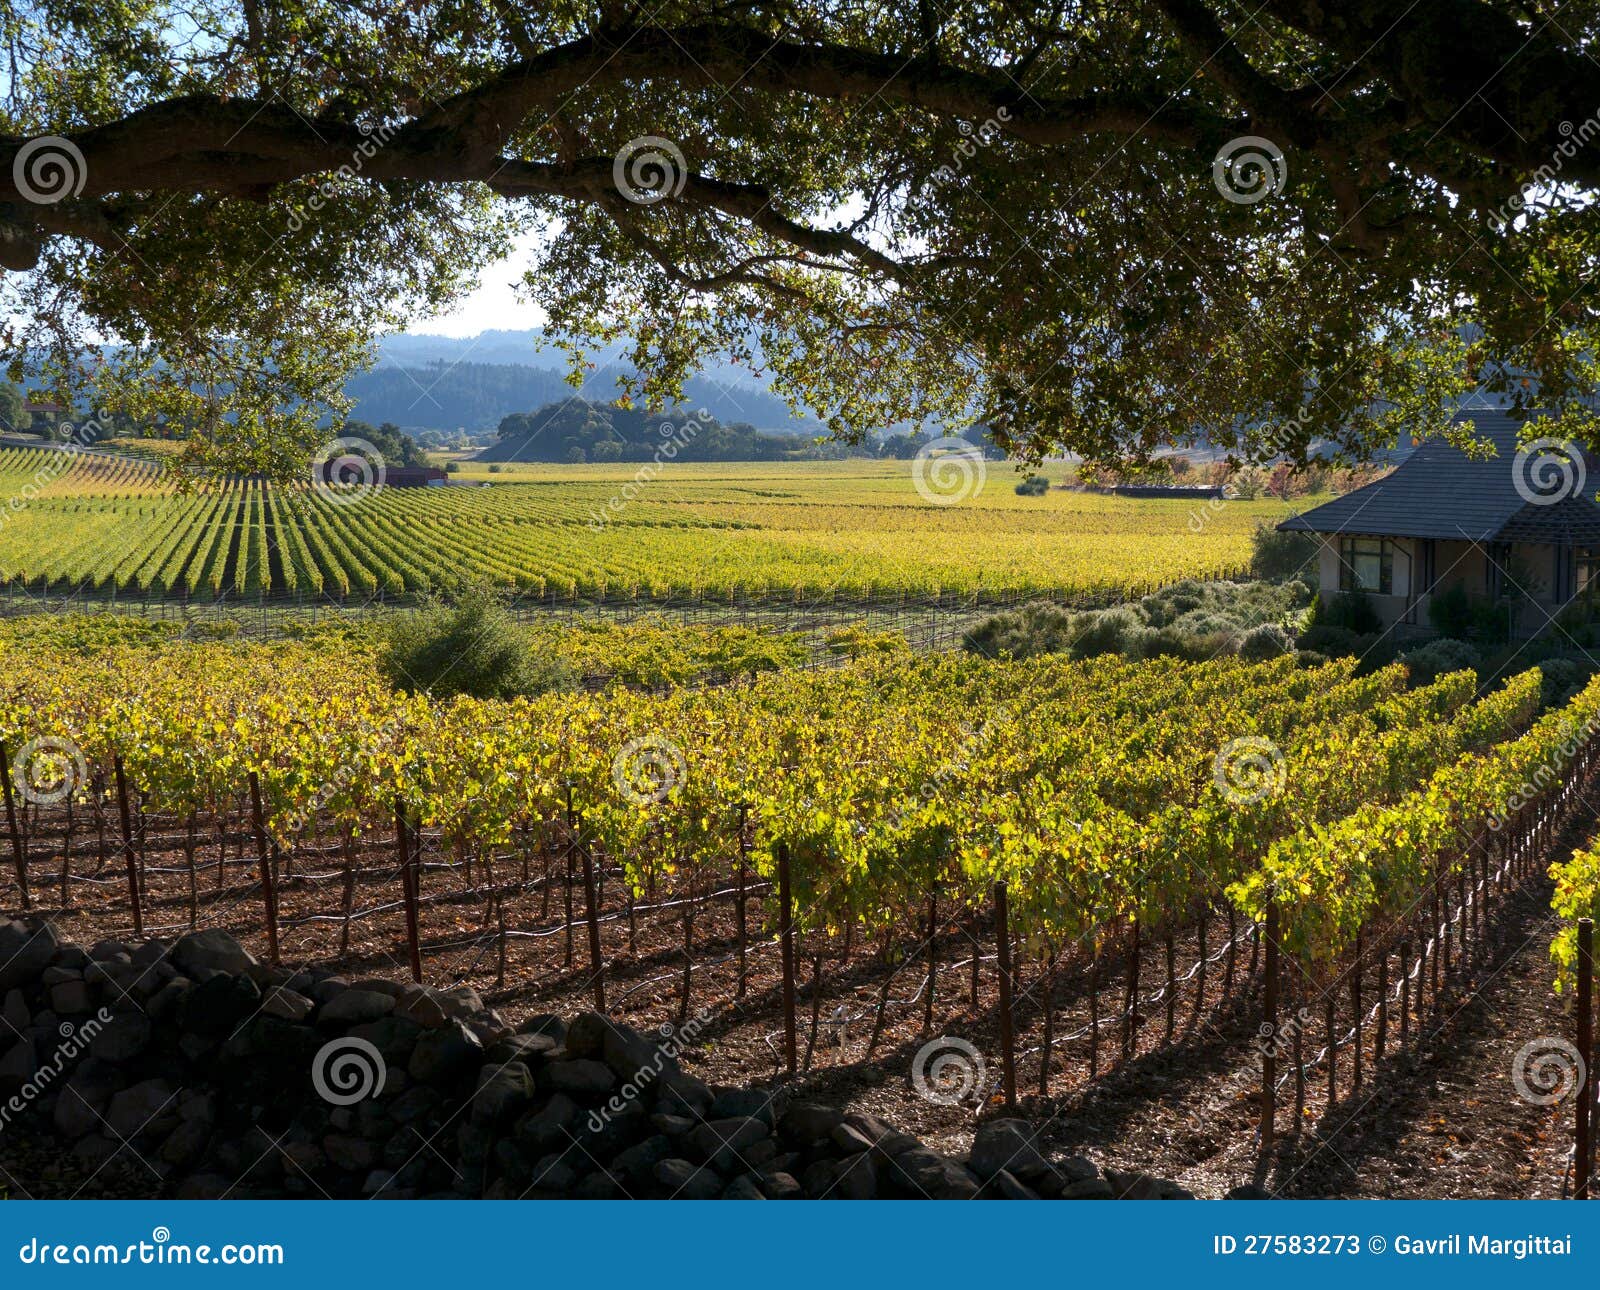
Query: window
point(1366, 564)
point(1587, 568)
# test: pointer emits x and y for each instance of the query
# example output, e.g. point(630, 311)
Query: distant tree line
point(576, 430)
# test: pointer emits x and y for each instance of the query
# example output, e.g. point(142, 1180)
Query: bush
point(452, 468)
point(1450, 612)
point(497, 469)
point(472, 646)
point(1264, 642)
point(1352, 610)
point(1325, 638)
point(1277, 556)
point(1037, 628)
point(1429, 662)
point(1110, 631)
point(1033, 486)
point(1562, 678)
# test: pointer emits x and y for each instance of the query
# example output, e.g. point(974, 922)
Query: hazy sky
point(493, 305)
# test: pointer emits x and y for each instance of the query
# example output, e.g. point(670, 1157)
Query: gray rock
point(743, 1188)
point(1007, 1144)
point(683, 1181)
point(856, 1178)
point(380, 985)
point(730, 1103)
point(555, 1124)
point(25, 952)
point(59, 976)
point(211, 950)
point(286, 1004)
point(185, 1144)
point(781, 1186)
point(461, 1001)
point(545, 1023)
point(581, 1077)
point(18, 1066)
point(122, 1038)
point(531, 1050)
point(70, 997)
point(1089, 1189)
point(445, 1054)
point(348, 1152)
point(353, 1007)
point(554, 1173)
point(586, 1035)
point(328, 989)
point(1248, 1191)
point(720, 1142)
point(1006, 1186)
point(145, 1108)
point(15, 1012)
point(423, 1006)
point(849, 1139)
point(808, 1122)
point(502, 1091)
point(637, 1163)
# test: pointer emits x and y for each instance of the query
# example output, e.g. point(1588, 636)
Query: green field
point(713, 530)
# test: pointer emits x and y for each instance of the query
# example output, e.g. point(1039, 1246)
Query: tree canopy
point(1103, 226)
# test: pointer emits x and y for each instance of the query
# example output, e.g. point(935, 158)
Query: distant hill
point(446, 383)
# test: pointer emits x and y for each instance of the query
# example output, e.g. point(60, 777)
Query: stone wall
point(211, 1074)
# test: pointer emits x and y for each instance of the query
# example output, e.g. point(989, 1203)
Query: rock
point(731, 1103)
point(545, 1023)
point(353, 1007)
point(107, 950)
point(502, 1091)
point(679, 1094)
point(122, 1038)
point(1248, 1191)
point(80, 1107)
point(70, 997)
point(856, 1178)
point(781, 1186)
point(683, 1181)
point(148, 955)
point(211, 950)
point(719, 1141)
point(25, 952)
point(554, 1173)
point(461, 1001)
point(1089, 1189)
point(15, 1012)
point(1006, 1144)
point(377, 1181)
point(166, 1002)
point(1139, 1186)
point(142, 1109)
point(743, 1188)
point(637, 1163)
point(599, 1185)
point(328, 989)
point(423, 1006)
point(185, 1144)
point(445, 1054)
point(353, 1154)
point(818, 1179)
point(531, 1050)
point(1005, 1186)
point(59, 976)
point(214, 1008)
point(18, 1066)
point(808, 1122)
point(553, 1125)
point(580, 1077)
point(205, 1186)
point(380, 985)
point(286, 1004)
point(586, 1035)
point(849, 1139)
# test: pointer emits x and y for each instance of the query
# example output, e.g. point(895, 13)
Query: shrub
point(1352, 610)
point(1450, 611)
point(1278, 556)
point(1562, 678)
point(471, 646)
point(1325, 638)
point(1428, 662)
point(1039, 627)
point(1110, 631)
point(496, 468)
point(453, 468)
point(1033, 486)
point(1264, 642)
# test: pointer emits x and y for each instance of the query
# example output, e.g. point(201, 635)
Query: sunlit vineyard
point(853, 529)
